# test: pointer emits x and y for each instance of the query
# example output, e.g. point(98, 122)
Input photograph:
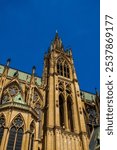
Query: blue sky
point(27, 28)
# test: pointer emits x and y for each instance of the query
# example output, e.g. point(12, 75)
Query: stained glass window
point(9, 92)
point(11, 138)
point(19, 139)
point(16, 134)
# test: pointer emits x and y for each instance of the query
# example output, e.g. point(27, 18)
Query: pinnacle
point(56, 35)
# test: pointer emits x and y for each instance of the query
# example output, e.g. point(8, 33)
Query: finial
point(33, 69)
point(56, 36)
point(8, 62)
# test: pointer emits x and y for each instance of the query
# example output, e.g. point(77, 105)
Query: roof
point(89, 97)
point(22, 75)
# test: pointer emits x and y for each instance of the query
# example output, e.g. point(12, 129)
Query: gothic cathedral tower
point(64, 127)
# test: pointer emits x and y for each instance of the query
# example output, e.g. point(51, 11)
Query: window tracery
point(11, 91)
point(63, 68)
point(16, 134)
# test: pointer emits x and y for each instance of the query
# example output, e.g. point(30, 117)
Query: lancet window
point(70, 116)
point(63, 68)
point(61, 110)
point(16, 134)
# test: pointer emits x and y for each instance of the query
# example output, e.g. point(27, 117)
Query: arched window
point(63, 68)
point(16, 134)
point(70, 116)
point(2, 124)
point(66, 70)
point(61, 110)
point(60, 67)
point(31, 138)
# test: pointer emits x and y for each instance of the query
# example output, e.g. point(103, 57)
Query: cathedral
point(47, 113)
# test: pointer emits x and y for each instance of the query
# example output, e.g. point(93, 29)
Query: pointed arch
point(70, 114)
point(10, 91)
point(64, 58)
point(61, 110)
point(60, 66)
point(21, 118)
point(32, 135)
point(63, 67)
point(14, 81)
point(16, 133)
point(66, 70)
point(2, 125)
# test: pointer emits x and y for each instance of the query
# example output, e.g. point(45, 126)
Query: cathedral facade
point(48, 113)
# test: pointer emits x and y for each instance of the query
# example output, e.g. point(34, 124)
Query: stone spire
point(56, 43)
